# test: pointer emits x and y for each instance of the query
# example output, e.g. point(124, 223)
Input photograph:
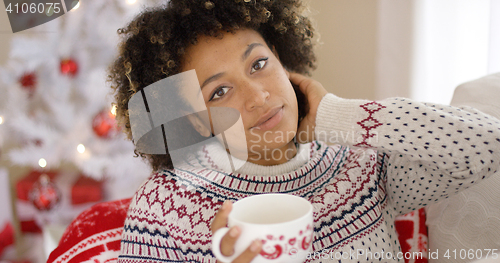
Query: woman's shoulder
point(162, 193)
point(168, 183)
point(163, 207)
point(157, 178)
point(157, 182)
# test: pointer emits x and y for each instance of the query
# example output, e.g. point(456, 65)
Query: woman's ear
point(199, 126)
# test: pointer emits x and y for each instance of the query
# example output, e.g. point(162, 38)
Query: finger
point(220, 219)
point(297, 78)
point(250, 253)
point(228, 240)
point(302, 81)
point(311, 88)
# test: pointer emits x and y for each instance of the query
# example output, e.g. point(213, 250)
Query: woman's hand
point(228, 241)
point(314, 92)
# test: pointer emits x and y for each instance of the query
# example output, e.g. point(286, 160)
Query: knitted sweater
point(373, 161)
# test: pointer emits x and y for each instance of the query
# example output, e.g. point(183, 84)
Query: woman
point(360, 163)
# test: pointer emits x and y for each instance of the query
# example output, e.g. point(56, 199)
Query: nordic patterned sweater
point(383, 159)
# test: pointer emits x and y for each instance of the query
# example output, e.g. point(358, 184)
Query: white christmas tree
point(56, 105)
point(55, 100)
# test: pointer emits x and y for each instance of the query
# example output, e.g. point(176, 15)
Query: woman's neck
point(275, 156)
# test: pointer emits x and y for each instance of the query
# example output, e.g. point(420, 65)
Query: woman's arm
point(167, 223)
point(434, 150)
point(146, 235)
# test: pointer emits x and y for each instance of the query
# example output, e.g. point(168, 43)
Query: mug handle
point(216, 239)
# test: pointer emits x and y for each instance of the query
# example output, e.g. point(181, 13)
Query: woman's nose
point(255, 95)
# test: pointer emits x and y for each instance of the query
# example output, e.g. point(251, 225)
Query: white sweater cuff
point(337, 119)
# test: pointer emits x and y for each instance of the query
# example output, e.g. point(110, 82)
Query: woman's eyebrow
point(249, 50)
point(243, 57)
point(210, 79)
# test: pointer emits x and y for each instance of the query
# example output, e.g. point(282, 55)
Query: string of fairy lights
point(42, 162)
point(80, 148)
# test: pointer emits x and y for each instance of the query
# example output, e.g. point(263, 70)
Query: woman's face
point(240, 71)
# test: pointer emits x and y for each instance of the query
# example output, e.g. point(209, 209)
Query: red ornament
point(38, 142)
point(104, 124)
point(44, 195)
point(69, 67)
point(28, 82)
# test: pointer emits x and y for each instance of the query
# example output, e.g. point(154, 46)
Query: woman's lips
point(270, 119)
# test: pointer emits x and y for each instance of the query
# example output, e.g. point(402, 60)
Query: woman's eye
point(259, 64)
point(219, 92)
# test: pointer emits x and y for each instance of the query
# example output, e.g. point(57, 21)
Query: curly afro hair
point(153, 44)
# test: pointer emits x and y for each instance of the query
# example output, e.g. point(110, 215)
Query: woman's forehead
point(210, 48)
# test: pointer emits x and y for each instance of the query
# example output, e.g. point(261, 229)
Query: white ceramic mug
point(284, 224)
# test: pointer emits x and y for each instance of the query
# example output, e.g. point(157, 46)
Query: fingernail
point(255, 246)
point(234, 232)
